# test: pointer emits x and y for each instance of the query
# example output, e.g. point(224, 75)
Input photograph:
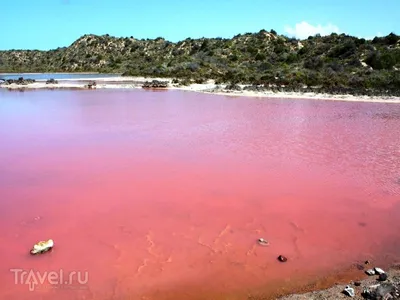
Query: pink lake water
point(163, 195)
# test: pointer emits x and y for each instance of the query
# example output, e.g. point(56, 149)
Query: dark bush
point(313, 63)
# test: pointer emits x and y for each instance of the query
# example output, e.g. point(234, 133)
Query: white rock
point(370, 272)
point(42, 246)
point(379, 271)
point(349, 291)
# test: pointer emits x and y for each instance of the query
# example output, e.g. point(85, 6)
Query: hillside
point(335, 63)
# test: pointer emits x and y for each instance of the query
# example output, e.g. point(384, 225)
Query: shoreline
point(207, 88)
point(359, 284)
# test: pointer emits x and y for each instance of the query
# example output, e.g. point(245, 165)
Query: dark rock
point(155, 84)
point(51, 81)
point(357, 283)
point(366, 294)
point(367, 262)
point(382, 277)
point(20, 81)
point(282, 258)
point(91, 84)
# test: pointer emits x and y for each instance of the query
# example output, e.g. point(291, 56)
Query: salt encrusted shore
point(209, 87)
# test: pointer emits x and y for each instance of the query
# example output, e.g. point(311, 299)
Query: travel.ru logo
point(53, 279)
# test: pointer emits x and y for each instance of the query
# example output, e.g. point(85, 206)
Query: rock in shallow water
point(42, 247)
point(360, 267)
point(282, 258)
point(263, 242)
point(379, 271)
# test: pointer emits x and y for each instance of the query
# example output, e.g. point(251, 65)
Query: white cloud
point(371, 37)
point(303, 30)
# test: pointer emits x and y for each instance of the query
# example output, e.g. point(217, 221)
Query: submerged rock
point(360, 267)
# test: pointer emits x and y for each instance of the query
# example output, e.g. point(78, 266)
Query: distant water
point(58, 76)
point(164, 195)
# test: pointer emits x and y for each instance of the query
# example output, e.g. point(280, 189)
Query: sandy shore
point(369, 288)
point(210, 87)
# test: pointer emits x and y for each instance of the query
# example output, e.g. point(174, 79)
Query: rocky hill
point(334, 62)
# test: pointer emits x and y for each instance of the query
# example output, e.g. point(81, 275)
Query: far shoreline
point(210, 87)
point(35, 73)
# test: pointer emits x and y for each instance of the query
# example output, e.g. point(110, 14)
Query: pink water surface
point(162, 195)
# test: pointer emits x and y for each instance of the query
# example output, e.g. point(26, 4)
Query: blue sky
point(48, 24)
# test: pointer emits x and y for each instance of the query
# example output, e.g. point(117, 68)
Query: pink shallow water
point(162, 195)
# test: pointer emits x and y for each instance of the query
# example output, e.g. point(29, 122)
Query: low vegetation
point(333, 63)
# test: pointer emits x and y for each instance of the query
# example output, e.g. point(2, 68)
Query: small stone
point(375, 286)
point(367, 262)
point(382, 277)
point(42, 246)
point(282, 258)
point(379, 271)
point(370, 272)
point(349, 291)
point(357, 283)
point(360, 267)
point(263, 242)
